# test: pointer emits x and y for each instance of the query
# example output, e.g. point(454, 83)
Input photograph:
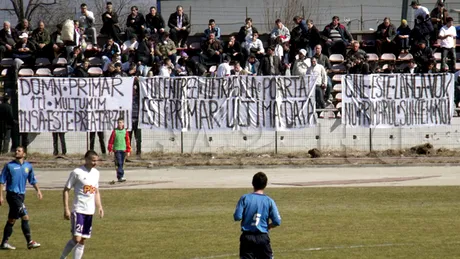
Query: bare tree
point(286, 10)
point(27, 8)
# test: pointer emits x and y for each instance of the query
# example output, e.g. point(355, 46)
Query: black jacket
point(6, 116)
point(264, 68)
point(154, 22)
point(172, 21)
point(242, 33)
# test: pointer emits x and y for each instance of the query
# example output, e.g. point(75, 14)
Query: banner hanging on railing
point(235, 102)
point(397, 100)
point(50, 104)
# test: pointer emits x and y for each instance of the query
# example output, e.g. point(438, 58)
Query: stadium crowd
point(153, 46)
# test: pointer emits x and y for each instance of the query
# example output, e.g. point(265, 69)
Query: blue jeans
point(119, 163)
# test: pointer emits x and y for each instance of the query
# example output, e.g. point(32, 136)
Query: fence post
point(362, 21)
point(190, 18)
point(276, 142)
point(246, 12)
point(303, 11)
point(87, 144)
point(181, 142)
point(370, 140)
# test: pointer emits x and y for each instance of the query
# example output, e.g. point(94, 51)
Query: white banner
point(397, 100)
point(236, 102)
point(52, 104)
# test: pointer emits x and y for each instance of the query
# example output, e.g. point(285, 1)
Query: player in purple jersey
point(85, 181)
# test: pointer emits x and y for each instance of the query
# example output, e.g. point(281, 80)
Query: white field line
point(327, 248)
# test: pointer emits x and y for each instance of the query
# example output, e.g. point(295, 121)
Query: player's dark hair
point(259, 181)
point(83, 5)
point(90, 153)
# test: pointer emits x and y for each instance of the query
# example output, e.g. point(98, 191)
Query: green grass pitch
point(394, 222)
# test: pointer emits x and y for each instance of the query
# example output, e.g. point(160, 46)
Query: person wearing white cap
point(301, 64)
point(24, 49)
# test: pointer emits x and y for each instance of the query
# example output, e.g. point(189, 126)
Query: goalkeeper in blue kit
point(255, 210)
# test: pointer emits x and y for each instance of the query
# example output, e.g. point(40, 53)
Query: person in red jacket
point(120, 145)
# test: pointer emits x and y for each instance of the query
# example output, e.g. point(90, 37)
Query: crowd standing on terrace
point(152, 46)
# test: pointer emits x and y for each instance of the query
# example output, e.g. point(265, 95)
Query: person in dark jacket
point(337, 37)
point(438, 19)
point(232, 48)
point(270, 65)
point(8, 39)
point(212, 51)
point(110, 25)
point(359, 66)
point(41, 38)
point(82, 70)
point(385, 38)
point(422, 30)
point(180, 27)
point(135, 24)
point(154, 23)
point(25, 50)
point(423, 55)
point(7, 122)
point(403, 33)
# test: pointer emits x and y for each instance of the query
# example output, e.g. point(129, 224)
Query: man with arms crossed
point(85, 181)
point(15, 175)
point(254, 210)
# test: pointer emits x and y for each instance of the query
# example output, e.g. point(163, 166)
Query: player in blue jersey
point(255, 210)
point(15, 176)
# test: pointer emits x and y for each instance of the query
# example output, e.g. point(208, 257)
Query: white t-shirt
point(85, 184)
point(448, 42)
point(421, 10)
point(223, 70)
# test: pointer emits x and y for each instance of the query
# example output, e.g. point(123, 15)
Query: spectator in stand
point(212, 51)
point(224, 68)
point(350, 57)
point(165, 70)
point(286, 60)
point(411, 68)
point(423, 55)
point(86, 19)
point(270, 64)
point(431, 68)
point(24, 27)
point(337, 37)
point(212, 28)
point(403, 33)
point(299, 38)
point(447, 35)
point(245, 35)
point(422, 30)
point(438, 19)
point(419, 10)
point(155, 23)
point(82, 71)
point(129, 48)
point(321, 82)
point(77, 39)
point(180, 27)
point(166, 48)
point(359, 65)
point(25, 50)
point(135, 121)
point(233, 49)
point(252, 65)
point(75, 58)
point(8, 39)
point(118, 72)
point(143, 58)
point(181, 67)
point(59, 136)
point(279, 49)
point(110, 25)
point(7, 122)
point(321, 58)
point(385, 35)
point(135, 24)
point(57, 44)
point(280, 33)
point(238, 70)
point(313, 37)
point(108, 50)
point(301, 64)
point(256, 46)
point(41, 38)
